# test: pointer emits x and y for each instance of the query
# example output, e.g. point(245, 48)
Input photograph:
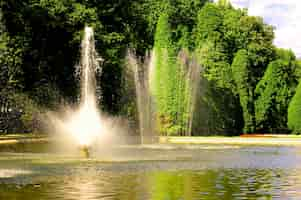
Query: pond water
point(158, 172)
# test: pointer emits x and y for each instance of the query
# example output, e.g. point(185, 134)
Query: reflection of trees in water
point(106, 185)
point(222, 184)
point(93, 183)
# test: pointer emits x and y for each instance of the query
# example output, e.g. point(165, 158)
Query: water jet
point(167, 89)
point(84, 123)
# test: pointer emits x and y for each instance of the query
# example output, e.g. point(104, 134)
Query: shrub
point(294, 112)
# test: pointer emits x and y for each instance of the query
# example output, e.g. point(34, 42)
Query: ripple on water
point(203, 174)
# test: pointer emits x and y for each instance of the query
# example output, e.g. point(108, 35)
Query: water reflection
point(177, 185)
point(106, 186)
point(249, 173)
point(10, 173)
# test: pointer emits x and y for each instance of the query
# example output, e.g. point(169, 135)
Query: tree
point(224, 3)
point(211, 46)
point(233, 47)
point(40, 42)
point(209, 21)
point(294, 112)
point(171, 83)
point(241, 70)
point(181, 12)
point(11, 55)
point(165, 76)
point(274, 92)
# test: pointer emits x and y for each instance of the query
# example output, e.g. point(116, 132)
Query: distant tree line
point(247, 84)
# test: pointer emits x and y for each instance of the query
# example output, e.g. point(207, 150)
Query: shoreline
point(253, 140)
point(256, 140)
point(15, 139)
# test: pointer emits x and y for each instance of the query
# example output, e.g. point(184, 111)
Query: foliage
point(294, 112)
point(31, 115)
point(275, 91)
point(218, 111)
point(241, 70)
point(22, 114)
point(244, 76)
point(165, 77)
point(223, 35)
point(171, 84)
point(10, 58)
point(209, 20)
point(181, 12)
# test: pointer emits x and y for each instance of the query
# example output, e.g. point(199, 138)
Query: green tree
point(181, 12)
point(40, 40)
point(170, 84)
point(274, 92)
point(231, 47)
point(294, 112)
point(209, 21)
point(164, 74)
point(241, 70)
point(224, 3)
point(211, 47)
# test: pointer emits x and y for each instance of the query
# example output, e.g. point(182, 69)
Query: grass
point(256, 140)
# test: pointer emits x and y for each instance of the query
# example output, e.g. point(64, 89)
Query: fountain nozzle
point(85, 151)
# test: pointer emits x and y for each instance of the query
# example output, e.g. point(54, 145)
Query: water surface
point(159, 172)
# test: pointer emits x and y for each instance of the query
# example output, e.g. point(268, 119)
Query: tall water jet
point(84, 124)
point(175, 85)
point(166, 92)
point(141, 70)
point(192, 75)
point(174, 81)
point(89, 64)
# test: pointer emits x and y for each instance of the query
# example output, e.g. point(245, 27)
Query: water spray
point(84, 124)
point(85, 151)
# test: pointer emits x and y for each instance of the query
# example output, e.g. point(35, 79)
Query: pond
point(155, 172)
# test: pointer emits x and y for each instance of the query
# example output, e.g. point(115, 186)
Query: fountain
point(84, 124)
point(140, 72)
point(183, 93)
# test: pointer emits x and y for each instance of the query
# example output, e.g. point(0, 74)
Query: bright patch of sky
point(285, 15)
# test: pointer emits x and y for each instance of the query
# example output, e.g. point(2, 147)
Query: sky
point(282, 14)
